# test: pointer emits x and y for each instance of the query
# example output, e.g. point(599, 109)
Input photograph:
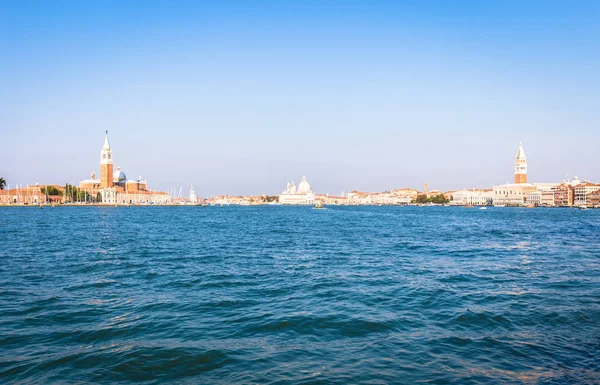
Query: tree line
point(438, 199)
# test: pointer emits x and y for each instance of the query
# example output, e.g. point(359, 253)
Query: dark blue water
point(283, 295)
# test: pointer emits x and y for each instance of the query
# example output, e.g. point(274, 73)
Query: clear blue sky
point(241, 97)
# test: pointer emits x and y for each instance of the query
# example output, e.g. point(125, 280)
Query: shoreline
point(266, 204)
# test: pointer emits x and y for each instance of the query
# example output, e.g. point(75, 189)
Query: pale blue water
point(283, 295)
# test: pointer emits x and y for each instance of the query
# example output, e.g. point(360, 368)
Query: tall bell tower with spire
point(521, 166)
point(106, 164)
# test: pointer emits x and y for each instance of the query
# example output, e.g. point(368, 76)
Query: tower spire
point(521, 152)
point(521, 166)
point(106, 142)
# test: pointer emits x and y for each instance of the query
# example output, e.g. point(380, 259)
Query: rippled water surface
point(296, 295)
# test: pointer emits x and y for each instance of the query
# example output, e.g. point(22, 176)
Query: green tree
point(270, 198)
point(51, 190)
point(73, 194)
point(2, 183)
point(438, 199)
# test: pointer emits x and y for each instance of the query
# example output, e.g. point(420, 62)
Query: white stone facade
point(302, 195)
point(111, 195)
point(472, 197)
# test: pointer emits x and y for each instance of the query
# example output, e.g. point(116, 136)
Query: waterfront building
point(516, 194)
point(434, 193)
point(28, 195)
point(594, 199)
point(534, 198)
point(512, 194)
point(242, 200)
point(582, 193)
point(327, 199)
point(401, 196)
point(405, 192)
point(473, 197)
point(547, 198)
point(543, 196)
point(521, 166)
point(563, 194)
point(302, 195)
point(115, 188)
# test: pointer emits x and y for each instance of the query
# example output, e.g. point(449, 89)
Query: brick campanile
point(106, 165)
point(521, 166)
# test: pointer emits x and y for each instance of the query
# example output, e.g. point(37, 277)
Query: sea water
point(277, 295)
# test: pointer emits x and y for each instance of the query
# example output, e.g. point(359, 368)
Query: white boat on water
point(483, 208)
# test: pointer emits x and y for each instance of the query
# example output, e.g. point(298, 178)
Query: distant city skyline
point(239, 99)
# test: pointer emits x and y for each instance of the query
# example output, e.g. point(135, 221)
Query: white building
point(517, 194)
point(113, 195)
point(396, 197)
point(534, 198)
point(472, 197)
point(548, 198)
point(543, 196)
point(512, 194)
point(302, 195)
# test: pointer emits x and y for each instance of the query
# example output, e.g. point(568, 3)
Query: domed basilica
point(302, 195)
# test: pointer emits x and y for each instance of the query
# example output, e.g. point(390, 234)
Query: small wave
point(480, 320)
point(330, 326)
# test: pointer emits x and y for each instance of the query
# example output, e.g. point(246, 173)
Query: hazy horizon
point(240, 98)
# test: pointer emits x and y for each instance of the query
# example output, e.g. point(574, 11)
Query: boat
point(319, 205)
point(468, 206)
point(483, 208)
point(583, 207)
point(530, 206)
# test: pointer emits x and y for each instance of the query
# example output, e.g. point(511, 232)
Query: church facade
point(302, 195)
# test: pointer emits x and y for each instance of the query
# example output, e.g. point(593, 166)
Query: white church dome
point(119, 175)
point(304, 187)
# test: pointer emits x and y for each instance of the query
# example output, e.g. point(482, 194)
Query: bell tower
point(106, 164)
point(521, 166)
